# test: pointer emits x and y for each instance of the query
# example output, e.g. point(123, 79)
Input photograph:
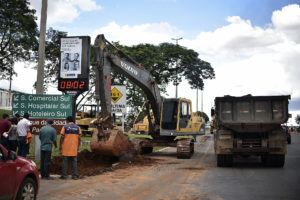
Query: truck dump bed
point(251, 110)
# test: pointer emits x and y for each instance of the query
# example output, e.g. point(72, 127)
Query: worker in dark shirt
point(47, 137)
point(5, 126)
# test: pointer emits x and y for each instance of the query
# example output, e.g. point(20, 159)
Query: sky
point(253, 45)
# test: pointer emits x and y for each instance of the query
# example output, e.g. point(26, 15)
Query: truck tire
point(273, 160)
point(224, 160)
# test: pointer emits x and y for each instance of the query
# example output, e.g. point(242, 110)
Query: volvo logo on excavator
point(129, 68)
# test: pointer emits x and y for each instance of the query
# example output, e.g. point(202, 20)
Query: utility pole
point(201, 100)
point(176, 82)
point(9, 90)
point(40, 71)
point(197, 100)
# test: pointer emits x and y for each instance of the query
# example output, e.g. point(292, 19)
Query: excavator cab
point(176, 115)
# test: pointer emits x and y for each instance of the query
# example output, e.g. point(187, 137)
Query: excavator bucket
point(111, 142)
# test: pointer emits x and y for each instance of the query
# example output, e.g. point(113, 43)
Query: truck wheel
point(27, 189)
point(274, 160)
point(224, 160)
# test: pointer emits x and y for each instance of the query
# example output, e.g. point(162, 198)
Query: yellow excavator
point(141, 123)
point(171, 117)
point(85, 117)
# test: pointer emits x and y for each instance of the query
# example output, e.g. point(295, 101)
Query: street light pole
point(176, 82)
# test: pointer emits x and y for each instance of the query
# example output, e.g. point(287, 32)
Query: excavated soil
point(90, 164)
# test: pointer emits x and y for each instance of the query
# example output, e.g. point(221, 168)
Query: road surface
point(192, 179)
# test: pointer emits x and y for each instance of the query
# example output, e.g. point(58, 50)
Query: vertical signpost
point(118, 101)
point(74, 67)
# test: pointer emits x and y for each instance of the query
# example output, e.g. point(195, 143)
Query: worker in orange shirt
point(69, 144)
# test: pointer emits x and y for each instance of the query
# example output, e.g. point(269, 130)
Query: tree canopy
point(163, 61)
point(204, 115)
point(18, 34)
point(166, 60)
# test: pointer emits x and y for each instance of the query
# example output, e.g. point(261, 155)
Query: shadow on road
point(250, 162)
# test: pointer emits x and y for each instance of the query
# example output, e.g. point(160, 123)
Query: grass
point(9, 112)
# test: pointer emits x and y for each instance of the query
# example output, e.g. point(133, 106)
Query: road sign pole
point(122, 122)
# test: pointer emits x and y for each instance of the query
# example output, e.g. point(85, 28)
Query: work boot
point(63, 177)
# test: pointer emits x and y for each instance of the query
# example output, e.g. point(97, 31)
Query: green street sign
point(42, 106)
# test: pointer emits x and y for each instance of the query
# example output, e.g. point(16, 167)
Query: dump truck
point(250, 125)
point(171, 117)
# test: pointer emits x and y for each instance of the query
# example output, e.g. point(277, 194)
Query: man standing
point(22, 130)
point(69, 144)
point(13, 135)
point(5, 126)
point(47, 137)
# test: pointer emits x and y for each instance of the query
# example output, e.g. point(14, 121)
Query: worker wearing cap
point(23, 128)
point(47, 137)
point(69, 144)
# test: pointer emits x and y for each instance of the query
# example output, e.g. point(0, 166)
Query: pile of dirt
point(90, 164)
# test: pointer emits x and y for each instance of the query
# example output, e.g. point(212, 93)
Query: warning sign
point(118, 99)
point(116, 95)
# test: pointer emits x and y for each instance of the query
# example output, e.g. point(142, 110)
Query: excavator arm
point(131, 69)
point(105, 139)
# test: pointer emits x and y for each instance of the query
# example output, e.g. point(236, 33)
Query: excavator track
point(142, 146)
point(185, 148)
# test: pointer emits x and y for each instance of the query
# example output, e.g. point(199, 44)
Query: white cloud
point(239, 38)
point(131, 35)
point(287, 20)
point(64, 10)
point(250, 59)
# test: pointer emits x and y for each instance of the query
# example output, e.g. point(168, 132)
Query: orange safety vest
point(29, 138)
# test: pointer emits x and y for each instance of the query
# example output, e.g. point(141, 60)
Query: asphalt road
point(192, 179)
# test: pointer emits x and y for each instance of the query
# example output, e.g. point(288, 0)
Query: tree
point(204, 115)
point(52, 54)
point(161, 61)
point(18, 34)
point(297, 119)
